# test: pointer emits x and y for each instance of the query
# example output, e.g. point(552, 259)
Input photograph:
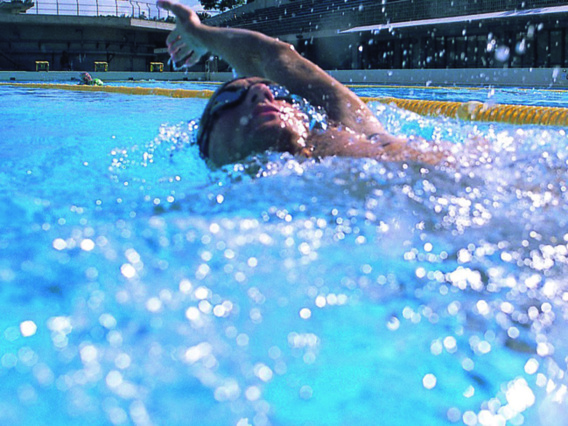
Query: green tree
point(221, 5)
point(203, 15)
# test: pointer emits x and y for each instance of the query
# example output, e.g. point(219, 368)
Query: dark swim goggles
point(228, 97)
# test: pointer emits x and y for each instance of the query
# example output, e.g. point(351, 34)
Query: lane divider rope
point(471, 111)
point(172, 93)
point(479, 111)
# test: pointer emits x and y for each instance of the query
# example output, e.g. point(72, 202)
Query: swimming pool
point(140, 287)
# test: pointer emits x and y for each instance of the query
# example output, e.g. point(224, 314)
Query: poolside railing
point(122, 8)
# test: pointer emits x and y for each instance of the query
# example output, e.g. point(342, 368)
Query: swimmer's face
point(255, 123)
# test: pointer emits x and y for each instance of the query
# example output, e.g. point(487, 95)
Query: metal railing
point(122, 8)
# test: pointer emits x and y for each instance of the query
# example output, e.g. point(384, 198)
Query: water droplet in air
point(521, 47)
point(502, 53)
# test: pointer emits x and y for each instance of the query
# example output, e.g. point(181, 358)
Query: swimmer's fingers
point(173, 37)
point(182, 62)
point(184, 46)
point(181, 33)
point(185, 58)
point(180, 11)
point(179, 58)
point(176, 44)
point(184, 49)
point(185, 55)
point(185, 16)
point(193, 58)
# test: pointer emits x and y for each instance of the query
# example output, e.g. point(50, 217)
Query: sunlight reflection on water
point(141, 287)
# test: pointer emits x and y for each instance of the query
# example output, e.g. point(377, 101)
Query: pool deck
point(550, 78)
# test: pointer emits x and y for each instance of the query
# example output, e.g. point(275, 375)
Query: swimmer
point(278, 104)
point(87, 80)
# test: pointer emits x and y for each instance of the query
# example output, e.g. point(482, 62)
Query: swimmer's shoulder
point(342, 142)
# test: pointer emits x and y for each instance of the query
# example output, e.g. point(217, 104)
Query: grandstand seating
point(305, 16)
point(316, 28)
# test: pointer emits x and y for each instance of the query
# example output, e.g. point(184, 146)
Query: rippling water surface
point(140, 287)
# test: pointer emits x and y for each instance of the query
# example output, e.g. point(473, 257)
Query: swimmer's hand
point(183, 43)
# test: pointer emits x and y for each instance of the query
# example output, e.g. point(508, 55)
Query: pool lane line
point(479, 111)
point(149, 91)
point(471, 111)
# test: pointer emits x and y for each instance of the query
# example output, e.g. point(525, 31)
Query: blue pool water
point(140, 287)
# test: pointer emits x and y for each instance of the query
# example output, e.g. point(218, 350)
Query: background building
point(411, 34)
point(454, 42)
point(72, 35)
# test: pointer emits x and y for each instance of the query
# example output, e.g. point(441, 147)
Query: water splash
point(264, 287)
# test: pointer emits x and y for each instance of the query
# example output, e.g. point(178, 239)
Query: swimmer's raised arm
point(253, 54)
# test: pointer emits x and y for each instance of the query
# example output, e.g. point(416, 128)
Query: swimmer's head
point(86, 77)
point(249, 115)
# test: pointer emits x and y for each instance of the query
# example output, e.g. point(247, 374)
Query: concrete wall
point(554, 78)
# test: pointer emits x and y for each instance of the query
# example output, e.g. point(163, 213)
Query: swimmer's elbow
point(281, 53)
point(284, 64)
